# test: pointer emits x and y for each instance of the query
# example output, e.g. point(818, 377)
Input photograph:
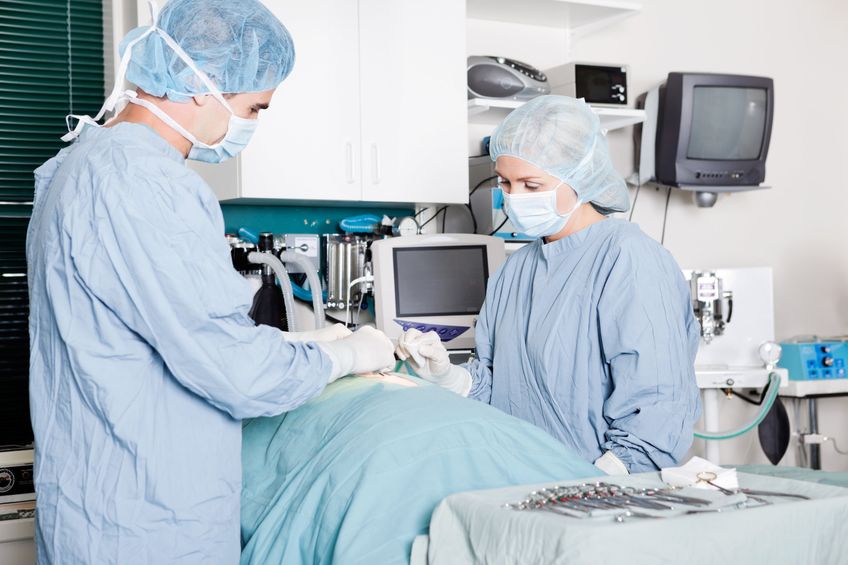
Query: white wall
point(797, 227)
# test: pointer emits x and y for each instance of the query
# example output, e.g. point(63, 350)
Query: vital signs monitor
point(433, 283)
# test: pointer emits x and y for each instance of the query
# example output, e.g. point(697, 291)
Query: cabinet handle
point(376, 173)
point(349, 163)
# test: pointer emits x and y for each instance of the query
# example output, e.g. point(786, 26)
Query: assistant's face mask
point(239, 130)
point(535, 213)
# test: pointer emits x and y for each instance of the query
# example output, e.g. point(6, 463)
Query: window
point(51, 65)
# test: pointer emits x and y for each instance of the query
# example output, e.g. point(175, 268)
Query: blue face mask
point(535, 213)
point(239, 132)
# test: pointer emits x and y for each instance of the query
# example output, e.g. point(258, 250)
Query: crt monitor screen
point(440, 281)
point(728, 123)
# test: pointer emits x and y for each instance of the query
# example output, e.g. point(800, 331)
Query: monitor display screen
point(440, 281)
point(728, 123)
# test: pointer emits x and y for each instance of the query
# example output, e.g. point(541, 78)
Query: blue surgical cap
point(563, 137)
point(239, 44)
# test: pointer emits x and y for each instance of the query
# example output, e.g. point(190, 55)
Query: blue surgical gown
point(143, 358)
point(592, 338)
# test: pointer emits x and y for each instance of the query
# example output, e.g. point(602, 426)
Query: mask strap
point(162, 115)
point(80, 119)
point(589, 154)
point(114, 96)
point(576, 204)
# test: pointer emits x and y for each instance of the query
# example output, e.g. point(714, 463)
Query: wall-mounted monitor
point(713, 131)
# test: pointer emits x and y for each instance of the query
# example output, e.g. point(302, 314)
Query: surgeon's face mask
point(239, 130)
point(535, 213)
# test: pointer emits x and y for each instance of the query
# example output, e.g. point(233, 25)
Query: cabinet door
point(307, 145)
point(414, 102)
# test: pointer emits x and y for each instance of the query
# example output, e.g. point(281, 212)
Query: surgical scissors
point(709, 477)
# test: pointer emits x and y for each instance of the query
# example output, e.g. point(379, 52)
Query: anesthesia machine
point(378, 270)
point(735, 310)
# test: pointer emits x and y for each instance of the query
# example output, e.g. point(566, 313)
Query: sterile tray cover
point(474, 527)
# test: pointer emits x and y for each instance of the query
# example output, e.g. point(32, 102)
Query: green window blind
point(51, 65)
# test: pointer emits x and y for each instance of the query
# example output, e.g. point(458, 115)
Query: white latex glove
point(425, 352)
point(610, 464)
point(430, 360)
point(330, 333)
point(364, 351)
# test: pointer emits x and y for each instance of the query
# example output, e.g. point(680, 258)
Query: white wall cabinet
point(375, 109)
point(414, 101)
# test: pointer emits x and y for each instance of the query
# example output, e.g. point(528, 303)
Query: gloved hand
point(610, 464)
point(364, 351)
point(330, 333)
point(425, 352)
point(430, 360)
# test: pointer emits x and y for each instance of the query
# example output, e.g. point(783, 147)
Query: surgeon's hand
point(429, 358)
point(365, 351)
point(330, 333)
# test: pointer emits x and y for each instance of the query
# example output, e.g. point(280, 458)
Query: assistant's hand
point(429, 358)
point(424, 352)
point(329, 333)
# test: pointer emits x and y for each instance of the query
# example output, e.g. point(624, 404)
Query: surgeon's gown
point(592, 338)
point(143, 358)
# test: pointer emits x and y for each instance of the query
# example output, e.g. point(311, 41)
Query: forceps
point(708, 477)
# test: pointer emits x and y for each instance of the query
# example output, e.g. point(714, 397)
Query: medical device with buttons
point(433, 283)
point(599, 85)
point(502, 78)
point(16, 476)
point(815, 360)
point(708, 298)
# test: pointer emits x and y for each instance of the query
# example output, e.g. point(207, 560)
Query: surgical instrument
point(622, 502)
point(709, 477)
point(750, 492)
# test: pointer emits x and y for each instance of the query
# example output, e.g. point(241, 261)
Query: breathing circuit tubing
point(291, 290)
point(314, 282)
point(772, 390)
point(261, 258)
